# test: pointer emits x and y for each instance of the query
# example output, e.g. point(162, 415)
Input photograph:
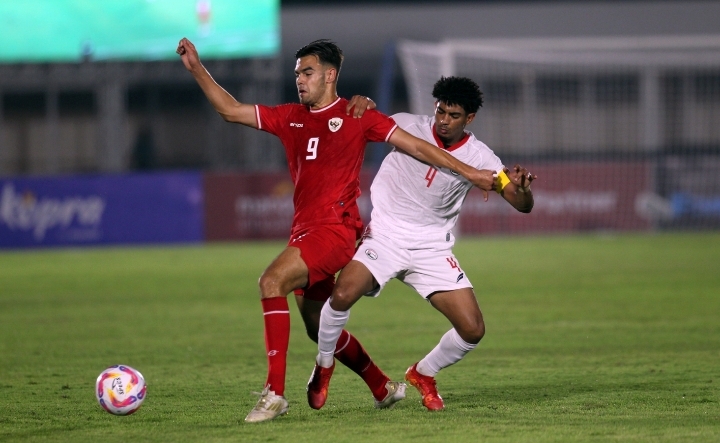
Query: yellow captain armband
point(501, 180)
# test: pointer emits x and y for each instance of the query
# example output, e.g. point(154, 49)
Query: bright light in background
point(73, 30)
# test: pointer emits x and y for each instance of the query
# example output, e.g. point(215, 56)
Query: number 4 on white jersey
point(430, 176)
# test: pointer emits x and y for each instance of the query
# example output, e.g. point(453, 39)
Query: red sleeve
point(377, 127)
point(271, 118)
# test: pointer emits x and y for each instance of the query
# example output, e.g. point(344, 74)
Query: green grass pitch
point(597, 338)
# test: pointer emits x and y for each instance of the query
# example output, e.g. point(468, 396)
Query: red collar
point(440, 143)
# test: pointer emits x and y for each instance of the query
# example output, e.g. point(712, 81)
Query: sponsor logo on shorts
point(372, 255)
point(460, 277)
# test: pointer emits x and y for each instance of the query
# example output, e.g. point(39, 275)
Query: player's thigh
point(324, 249)
point(382, 259)
point(286, 272)
point(434, 271)
point(461, 308)
point(354, 281)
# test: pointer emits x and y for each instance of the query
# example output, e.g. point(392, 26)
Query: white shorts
point(425, 270)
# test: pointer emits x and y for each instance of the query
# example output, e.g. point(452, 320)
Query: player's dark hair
point(325, 50)
point(459, 91)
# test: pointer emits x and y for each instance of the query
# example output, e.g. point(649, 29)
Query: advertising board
point(83, 210)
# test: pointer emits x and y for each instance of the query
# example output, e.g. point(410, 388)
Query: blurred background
point(105, 138)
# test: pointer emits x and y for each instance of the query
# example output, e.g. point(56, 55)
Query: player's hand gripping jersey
point(417, 204)
point(325, 150)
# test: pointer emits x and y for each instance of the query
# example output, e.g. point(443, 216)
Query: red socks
point(350, 352)
point(277, 335)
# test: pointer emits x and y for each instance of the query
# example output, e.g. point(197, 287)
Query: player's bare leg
point(287, 272)
point(334, 342)
point(461, 308)
point(310, 313)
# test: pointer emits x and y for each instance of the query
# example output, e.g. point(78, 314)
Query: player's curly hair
point(325, 50)
point(459, 91)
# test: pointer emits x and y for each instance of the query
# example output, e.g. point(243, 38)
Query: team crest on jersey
point(372, 255)
point(335, 123)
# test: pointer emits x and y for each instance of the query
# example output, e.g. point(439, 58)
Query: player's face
point(310, 79)
point(450, 121)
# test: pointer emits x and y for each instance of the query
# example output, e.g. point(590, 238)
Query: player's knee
point(340, 300)
point(269, 285)
point(479, 331)
point(473, 333)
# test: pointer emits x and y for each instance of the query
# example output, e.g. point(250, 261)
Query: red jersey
point(325, 150)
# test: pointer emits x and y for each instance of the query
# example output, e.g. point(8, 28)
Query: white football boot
point(396, 392)
point(268, 407)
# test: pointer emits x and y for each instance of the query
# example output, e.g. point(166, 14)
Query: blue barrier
point(689, 205)
point(86, 210)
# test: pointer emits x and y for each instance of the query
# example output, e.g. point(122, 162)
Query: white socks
point(451, 349)
point(332, 323)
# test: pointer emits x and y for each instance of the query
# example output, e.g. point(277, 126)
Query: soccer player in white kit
point(415, 207)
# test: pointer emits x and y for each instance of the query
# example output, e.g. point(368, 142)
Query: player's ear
point(470, 118)
point(330, 75)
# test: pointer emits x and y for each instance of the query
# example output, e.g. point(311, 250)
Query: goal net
point(624, 133)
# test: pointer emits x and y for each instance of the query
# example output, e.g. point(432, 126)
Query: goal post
point(589, 111)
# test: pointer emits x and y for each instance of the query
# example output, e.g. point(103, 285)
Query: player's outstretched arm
point(516, 188)
point(425, 152)
point(225, 104)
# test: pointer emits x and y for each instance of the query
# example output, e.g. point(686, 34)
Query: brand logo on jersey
point(454, 173)
point(460, 277)
point(297, 125)
point(372, 255)
point(298, 238)
point(335, 123)
point(447, 237)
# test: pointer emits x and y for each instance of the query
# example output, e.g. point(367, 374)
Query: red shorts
point(325, 249)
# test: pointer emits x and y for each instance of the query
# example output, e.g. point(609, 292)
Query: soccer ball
point(120, 389)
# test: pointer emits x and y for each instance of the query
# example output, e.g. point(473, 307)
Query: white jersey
point(416, 204)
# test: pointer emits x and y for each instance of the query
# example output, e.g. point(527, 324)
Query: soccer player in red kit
point(324, 149)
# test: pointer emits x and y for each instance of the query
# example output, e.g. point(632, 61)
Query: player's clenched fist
point(483, 179)
point(188, 54)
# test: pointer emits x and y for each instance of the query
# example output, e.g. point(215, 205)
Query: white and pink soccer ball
point(120, 389)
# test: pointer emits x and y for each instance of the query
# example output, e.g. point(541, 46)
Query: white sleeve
point(486, 159)
point(405, 120)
